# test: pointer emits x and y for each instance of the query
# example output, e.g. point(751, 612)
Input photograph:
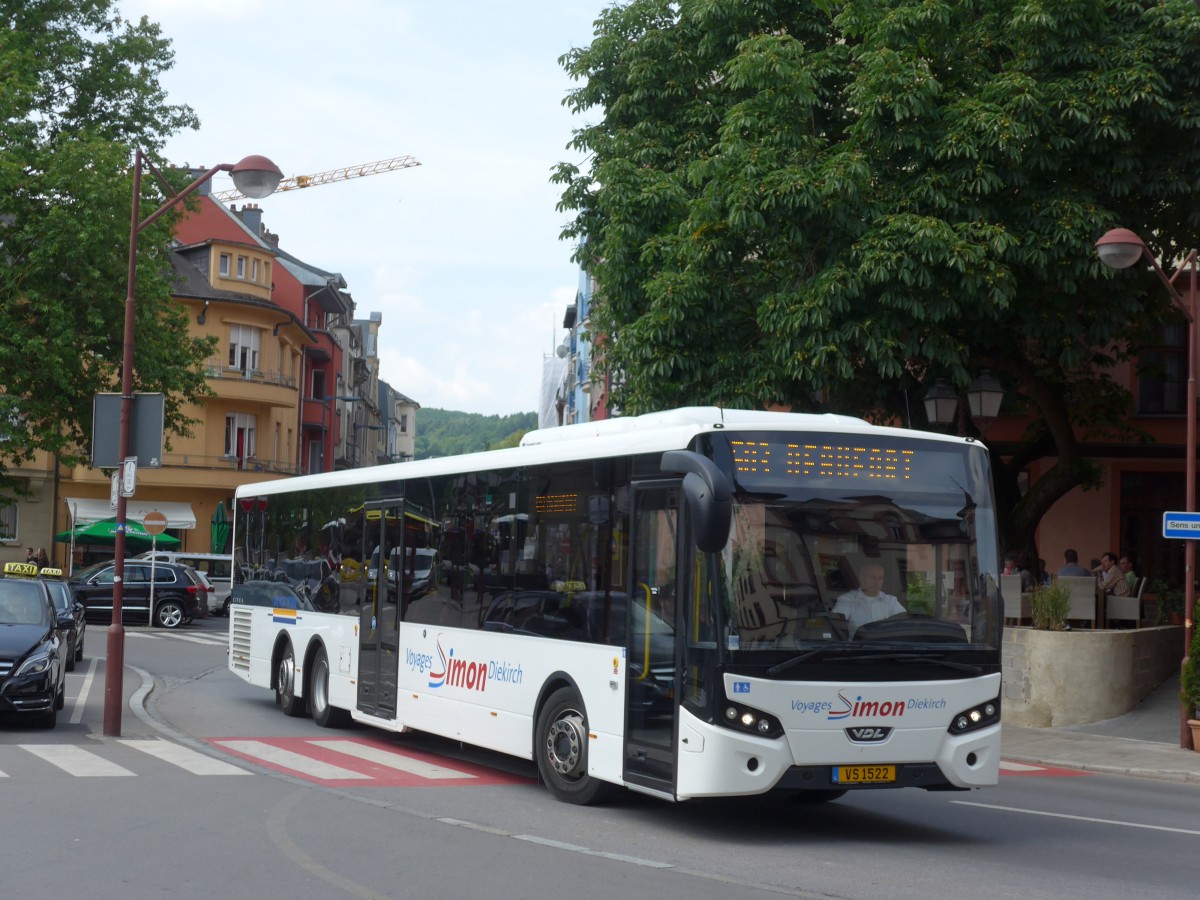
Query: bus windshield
point(891, 543)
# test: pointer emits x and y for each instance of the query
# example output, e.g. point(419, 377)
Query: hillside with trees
point(443, 432)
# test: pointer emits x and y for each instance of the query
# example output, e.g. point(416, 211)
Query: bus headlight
point(981, 716)
point(751, 721)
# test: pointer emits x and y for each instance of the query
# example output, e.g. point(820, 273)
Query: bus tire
point(285, 684)
point(562, 739)
point(318, 691)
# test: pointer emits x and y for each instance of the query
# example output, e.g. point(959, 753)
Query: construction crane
point(302, 181)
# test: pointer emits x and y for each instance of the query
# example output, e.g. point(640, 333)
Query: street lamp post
point(1120, 249)
point(256, 177)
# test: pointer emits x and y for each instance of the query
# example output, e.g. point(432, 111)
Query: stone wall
point(1057, 678)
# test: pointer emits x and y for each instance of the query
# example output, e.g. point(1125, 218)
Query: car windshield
point(61, 593)
point(22, 603)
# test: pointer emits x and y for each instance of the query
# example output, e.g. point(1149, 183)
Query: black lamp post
point(256, 177)
point(1120, 249)
point(941, 403)
point(984, 397)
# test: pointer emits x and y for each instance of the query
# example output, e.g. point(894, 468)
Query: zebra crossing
point(211, 638)
point(338, 762)
point(343, 762)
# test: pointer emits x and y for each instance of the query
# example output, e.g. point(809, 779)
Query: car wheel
point(71, 657)
point(285, 684)
point(61, 699)
point(562, 736)
point(79, 650)
point(225, 607)
point(169, 614)
point(318, 690)
point(48, 720)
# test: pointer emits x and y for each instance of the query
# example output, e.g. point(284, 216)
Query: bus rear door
point(379, 618)
point(652, 689)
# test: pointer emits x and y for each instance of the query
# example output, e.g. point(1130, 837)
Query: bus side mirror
point(707, 492)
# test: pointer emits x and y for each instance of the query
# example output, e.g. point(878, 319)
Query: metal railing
point(218, 369)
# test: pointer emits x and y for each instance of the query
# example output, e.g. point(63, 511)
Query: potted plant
point(1191, 687)
point(1170, 602)
point(1049, 606)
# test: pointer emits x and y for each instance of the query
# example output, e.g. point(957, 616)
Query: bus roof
point(626, 435)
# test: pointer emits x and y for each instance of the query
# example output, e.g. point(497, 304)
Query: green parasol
point(105, 532)
point(220, 529)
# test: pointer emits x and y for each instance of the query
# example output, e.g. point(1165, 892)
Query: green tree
point(79, 89)
point(830, 204)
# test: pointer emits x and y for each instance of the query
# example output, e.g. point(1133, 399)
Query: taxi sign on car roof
point(16, 568)
point(51, 572)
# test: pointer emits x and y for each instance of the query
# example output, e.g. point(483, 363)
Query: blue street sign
point(1181, 525)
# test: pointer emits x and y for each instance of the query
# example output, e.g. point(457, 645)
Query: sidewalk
point(1144, 742)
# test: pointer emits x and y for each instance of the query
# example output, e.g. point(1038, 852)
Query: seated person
point(1110, 577)
point(867, 602)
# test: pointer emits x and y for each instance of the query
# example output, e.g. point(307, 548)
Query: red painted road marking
point(1007, 767)
point(361, 762)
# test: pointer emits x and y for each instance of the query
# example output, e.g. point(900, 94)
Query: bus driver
point(867, 602)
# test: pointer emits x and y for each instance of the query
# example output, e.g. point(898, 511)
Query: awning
point(87, 510)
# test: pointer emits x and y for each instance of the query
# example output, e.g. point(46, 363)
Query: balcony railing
point(245, 464)
point(217, 369)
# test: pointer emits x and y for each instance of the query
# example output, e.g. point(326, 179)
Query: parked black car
point(72, 625)
point(32, 671)
point(177, 596)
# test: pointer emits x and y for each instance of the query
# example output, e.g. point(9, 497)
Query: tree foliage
point(830, 204)
point(79, 90)
point(442, 432)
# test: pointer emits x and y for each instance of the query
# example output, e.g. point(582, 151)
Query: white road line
point(1019, 767)
point(391, 760)
point(297, 762)
point(81, 697)
point(1054, 815)
point(75, 760)
point(184, 757)
point(195, 639)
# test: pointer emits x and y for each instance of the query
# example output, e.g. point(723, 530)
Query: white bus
point(649, 601)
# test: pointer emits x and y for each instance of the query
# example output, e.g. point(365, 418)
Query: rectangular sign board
point(1181, 525)
point(145, 430)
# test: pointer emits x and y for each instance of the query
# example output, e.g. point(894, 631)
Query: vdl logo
point(867, 734)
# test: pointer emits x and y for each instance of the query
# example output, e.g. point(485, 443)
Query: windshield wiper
point(916, 658)
point(816, 651)
point(859, 656)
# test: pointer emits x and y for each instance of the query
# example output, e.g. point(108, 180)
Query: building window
point(240, 430)
point(254, 270)
point(241, 269)
point(318, 385)
point(8, 523)
point(404, 423)
point(243, 348)
point(224, 264)
point(1162, 374)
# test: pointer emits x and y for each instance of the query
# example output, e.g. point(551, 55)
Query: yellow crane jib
point(303, 181)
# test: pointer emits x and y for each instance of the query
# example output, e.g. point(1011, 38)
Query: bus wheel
point(323, 714)
point(285, 684)
point(562, 736)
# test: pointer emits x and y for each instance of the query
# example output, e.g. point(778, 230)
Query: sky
point(461, 255)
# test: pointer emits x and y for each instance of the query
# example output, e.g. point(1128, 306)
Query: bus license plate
point(864, 774)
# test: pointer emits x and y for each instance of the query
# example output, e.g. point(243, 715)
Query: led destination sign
point(824, 461)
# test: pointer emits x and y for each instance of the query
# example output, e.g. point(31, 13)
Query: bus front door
point(379, 619)
point(651, 691)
